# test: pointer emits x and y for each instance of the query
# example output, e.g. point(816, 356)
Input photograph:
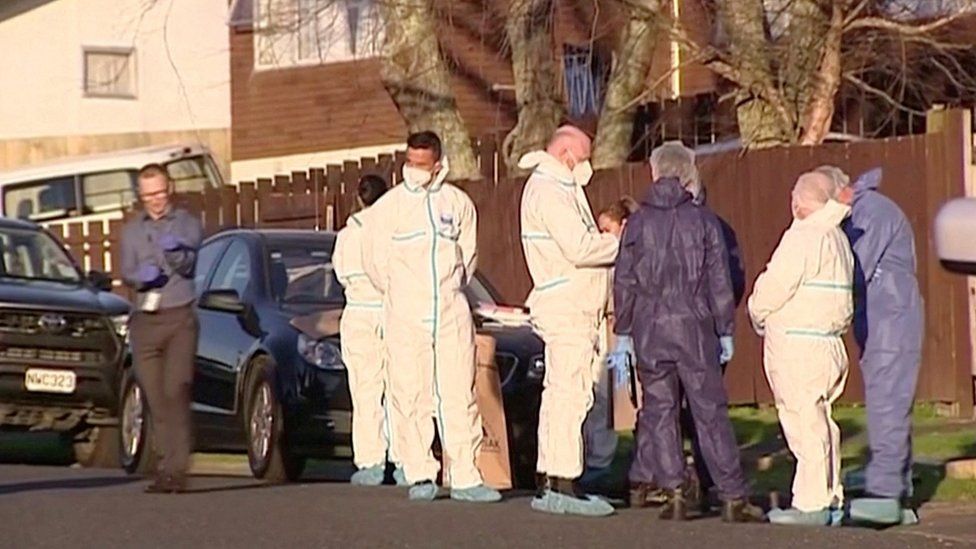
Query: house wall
point(182, 72)
point(283, 117)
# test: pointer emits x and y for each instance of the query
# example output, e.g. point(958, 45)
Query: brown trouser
point(164, 345)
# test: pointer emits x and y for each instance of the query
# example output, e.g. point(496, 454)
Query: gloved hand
point(619, 365)
point(728, 349)
point(624, 346)
point(148, 273)
point(169, 242)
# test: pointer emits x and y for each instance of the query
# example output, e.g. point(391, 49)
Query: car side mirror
point(227, 301)
point(955, 235)
point(100, 281)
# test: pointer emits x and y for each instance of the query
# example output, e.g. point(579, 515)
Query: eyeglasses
point(156, 194)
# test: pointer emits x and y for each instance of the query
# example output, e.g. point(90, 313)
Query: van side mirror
point(100, 281)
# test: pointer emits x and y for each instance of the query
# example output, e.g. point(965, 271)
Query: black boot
point(565, 486)
point(740, 510)
point(676, 507)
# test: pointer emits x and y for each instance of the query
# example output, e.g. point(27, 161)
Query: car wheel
point(268, 453)
point(136, 452)
point(98, 447)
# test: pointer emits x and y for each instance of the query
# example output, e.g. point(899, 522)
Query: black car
point(62, 344)
point(266, 385)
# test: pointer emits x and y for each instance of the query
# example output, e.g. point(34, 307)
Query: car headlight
point(121, 324)
point(537, 367)
point(320, 353)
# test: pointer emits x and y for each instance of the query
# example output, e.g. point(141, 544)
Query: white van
point(99, 187)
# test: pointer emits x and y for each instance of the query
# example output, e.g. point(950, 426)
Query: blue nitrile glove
point(169, 242)
point(625, 346)
point(619, 364)
point(728, 349)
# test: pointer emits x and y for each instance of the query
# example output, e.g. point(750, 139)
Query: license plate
point(50, 381)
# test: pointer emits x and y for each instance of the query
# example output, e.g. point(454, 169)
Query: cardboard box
point(492, 459)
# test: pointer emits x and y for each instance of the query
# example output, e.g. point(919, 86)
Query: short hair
point(619, 210)
point(837, 176)
point(425, 140)
point(674, 160)
point(155, 170)
point(371, 188)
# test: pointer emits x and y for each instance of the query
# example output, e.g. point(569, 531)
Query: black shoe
point(162, 484)
point(740, 510)
point(676, 507)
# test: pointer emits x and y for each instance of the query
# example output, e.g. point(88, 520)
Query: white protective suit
point(600, 440)
point(569, 261)
point(420, 251)
point(804, 302)
point(363, 351)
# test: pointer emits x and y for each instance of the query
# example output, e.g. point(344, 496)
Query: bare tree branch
point(903, 28)
point(881, 94)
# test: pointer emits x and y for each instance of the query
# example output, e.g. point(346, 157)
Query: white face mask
point(416, 176)
point(582, 173)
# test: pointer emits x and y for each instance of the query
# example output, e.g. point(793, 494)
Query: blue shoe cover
point(836, 517)
point(909, 517)
point(476, 494)
point(796, 517)
point(399, 477)
point(425, 491)
point(562, 504)
point(370, 476)
point(878, 511)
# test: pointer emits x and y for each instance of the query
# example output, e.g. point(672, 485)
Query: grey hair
point(837, 176)
point(674, 159)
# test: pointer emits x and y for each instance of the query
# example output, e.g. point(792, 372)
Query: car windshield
point(303, 274)
point(33, 255)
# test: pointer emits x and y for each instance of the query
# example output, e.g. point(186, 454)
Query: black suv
point(62, 343)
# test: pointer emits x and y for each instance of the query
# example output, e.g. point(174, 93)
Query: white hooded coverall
point(569, 261)
point(804, 303)
point(363, 351)
point(420, 251)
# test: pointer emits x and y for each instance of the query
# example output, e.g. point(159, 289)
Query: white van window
point(41, 200)
point(108, 191)
point(191, 175)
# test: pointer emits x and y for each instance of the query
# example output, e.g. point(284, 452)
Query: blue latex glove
point(169, 243)
point(625, 346)
point(728, 349)
point(148, 273)
point(619, 365)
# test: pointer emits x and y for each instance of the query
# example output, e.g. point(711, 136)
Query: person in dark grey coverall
point(673, 296)
point(158, 256)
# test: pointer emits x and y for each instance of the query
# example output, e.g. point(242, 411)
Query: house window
point(110, 72)
point(585, 79)
point(291, 33)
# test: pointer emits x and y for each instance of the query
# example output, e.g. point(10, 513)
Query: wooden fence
point(751, 192)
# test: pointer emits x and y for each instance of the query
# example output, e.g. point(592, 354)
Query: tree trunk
point(628, 80)
point(763, 117)
point(819, 110)
point(537, 87)
point(419, 82)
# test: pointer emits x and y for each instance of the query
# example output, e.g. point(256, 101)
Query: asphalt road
point(46, 506)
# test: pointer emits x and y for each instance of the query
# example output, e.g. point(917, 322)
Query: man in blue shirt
point(158, 255)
